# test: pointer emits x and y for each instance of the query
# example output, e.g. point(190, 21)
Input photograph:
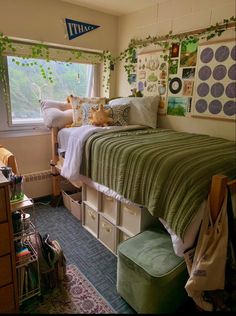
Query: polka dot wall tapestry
point(215, 82)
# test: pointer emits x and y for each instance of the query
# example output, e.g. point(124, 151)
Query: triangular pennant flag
point(76, 28)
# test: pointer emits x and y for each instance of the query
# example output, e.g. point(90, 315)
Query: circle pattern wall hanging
point(175, 85)
point(215, 82)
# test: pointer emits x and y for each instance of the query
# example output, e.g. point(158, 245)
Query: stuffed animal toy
point(100, 116)
point(69, 99)
point(136, 93)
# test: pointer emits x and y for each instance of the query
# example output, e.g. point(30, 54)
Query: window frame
point(6, 126)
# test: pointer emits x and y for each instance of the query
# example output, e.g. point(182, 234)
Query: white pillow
point(55, 104)
point(56, 114)
point(56, 118)
point(143, 110)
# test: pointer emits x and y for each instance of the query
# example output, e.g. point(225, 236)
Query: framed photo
point(174, 50)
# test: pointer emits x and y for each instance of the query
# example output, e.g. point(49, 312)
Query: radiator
point(37, 176)
point(37, 184)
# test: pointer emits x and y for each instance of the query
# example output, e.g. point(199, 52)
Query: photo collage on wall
point(182, 66)
point(215, 84)
point(152, 76)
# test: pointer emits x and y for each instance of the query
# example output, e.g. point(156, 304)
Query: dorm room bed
point(166, 172)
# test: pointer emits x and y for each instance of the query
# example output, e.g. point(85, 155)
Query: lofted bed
point(158, 172)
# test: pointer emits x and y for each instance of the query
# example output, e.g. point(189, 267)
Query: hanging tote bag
point(207, 271)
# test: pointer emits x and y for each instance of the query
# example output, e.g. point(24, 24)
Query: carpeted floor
point(74, 295)
point(83, 250)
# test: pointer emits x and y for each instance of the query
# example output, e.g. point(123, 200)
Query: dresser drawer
point(7, 301)
point(3, 206)
point(107, 233)
point(5, 239)
point(109, 207)
point(6, 270)
point(90, 219)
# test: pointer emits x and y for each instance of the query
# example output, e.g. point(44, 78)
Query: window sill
point(24, 132)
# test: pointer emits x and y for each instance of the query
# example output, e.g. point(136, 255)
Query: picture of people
point(188, 53)
point(188, 88)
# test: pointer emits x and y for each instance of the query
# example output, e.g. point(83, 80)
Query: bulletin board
point(152, 76)
point(215, 82)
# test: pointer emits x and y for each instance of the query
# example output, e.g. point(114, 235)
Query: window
point(26, 85)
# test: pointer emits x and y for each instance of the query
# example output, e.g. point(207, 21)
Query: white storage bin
point(134, 219)
point(90, 220)
point(92, 197)
point(72, 201)
point(75, 204)
point(107, 234)
point(122, 236)
point(109, 208)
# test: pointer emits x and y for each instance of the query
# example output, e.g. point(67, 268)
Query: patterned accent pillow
point(119, 113)
point(77, 107)
point(85, 110)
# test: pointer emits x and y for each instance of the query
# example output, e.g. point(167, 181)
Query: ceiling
point(115, 7)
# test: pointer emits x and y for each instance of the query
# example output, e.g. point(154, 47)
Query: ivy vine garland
point(166, 42)
point(128, 56)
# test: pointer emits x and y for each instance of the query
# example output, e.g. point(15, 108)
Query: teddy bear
point(100, 116)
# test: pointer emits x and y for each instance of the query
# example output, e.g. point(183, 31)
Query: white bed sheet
point(179, 244)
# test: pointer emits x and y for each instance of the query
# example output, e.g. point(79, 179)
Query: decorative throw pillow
point(119, 113)
point(143, 110)
point(56, 114)
point(77, 107)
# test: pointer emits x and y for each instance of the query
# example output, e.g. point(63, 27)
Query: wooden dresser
point(8, 279)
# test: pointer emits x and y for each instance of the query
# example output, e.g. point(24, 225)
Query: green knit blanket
point(167, 172)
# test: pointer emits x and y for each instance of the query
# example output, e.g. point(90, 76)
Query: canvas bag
point(52, 262)
point(206, 263)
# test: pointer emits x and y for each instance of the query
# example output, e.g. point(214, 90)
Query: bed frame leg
point(56, 190)
point(217, 194)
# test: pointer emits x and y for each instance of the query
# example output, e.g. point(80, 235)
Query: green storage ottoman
point(150, 277)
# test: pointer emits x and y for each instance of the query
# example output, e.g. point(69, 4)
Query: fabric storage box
point(107, 233)
point(90, 220)
point(70, 200)
point(75, 204)
point(92, 197)
point(66, 199)
point(150, 277)
point(109, 207)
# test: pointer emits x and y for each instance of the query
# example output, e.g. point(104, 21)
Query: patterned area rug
point(76, 295)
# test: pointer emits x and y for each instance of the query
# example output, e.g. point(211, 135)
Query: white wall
point(178, 16)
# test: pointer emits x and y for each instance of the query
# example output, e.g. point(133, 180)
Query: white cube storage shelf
point(110, 220)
